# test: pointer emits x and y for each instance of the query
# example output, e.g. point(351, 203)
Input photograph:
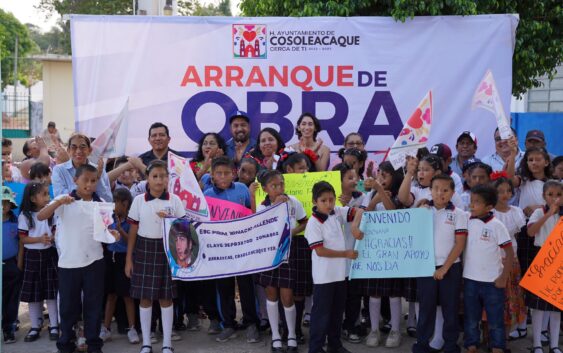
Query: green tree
point(50, 42)
point(195, 8)
point(538, 50)
point(10, 28)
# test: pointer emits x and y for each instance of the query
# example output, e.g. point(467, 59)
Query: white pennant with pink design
point(487, 97)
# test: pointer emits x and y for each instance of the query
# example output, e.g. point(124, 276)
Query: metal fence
point(16, 115)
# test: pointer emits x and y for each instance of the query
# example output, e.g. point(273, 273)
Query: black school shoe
point(33, 335)
point(9, 337)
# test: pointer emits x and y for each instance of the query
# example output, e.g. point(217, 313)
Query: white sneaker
point(175, 336)
point(133, 336)
point(105, 334)
point(373, 339)
point(154, 339)
point(393, 340)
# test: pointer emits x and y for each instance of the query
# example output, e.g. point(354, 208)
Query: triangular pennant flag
point(414, 134)
point(183, 183)
point(487, 97)
point(112, 142)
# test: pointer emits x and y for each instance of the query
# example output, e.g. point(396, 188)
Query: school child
point(40, 172)
point(514, 220)
point(477, 173)
point(81, 262)
point(148, 269)
point(352, 198)
point(116, 282)
point(445, 153)
point(326, 239)
point(484, 273)
point(279, 283)
point(450, 235)
point(354, 158)
point(126, 172)
point(533, 171)
point(40, 279)
point(299, 163)
point(11, 274)
point(225, 188)
point(541, 223)
point(247, 171)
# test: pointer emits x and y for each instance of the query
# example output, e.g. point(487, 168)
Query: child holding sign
point(326, 239)
point(541, 223)
point(283, 277)
point(485, 273)
point(149, 270)
point(383, 197)
point(450, 235)
point(40, 279)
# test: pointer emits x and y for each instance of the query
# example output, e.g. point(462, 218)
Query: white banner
point(358, 74)
point(206, 250)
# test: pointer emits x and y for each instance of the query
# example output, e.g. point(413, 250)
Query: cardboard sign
point(396, 244)
point(544, 277)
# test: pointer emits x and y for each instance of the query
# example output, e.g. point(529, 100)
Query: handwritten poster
point(206, 250)
point(222, 210)
point(396, 244)
point(301, 187)
point(544, 277)
point(183, 183)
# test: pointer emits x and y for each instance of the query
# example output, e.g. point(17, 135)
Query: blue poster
point(396, 244)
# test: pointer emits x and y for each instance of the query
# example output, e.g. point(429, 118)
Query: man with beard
point(241, 142)
point(466, 146)
point(159, 138)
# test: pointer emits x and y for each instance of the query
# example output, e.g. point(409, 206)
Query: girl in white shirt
point(540, 225)
point(40, 279)
point(515, 312)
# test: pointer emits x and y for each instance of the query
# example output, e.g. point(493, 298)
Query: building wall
point(58, 96)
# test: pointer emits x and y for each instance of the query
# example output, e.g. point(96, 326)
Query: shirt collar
point(164, 196)
point(486, 218)
point(267, 201)
point(356, 194)
point(95, 196)
point(450, 206)
point(322, 217)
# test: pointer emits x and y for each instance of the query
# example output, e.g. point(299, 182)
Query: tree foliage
point(10, 27)
point(50, 42)
point(538, 50)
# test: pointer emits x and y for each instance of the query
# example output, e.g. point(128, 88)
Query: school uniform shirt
point(326, 230)
point(531, 193)
point(138, 188)
point(547, 227)
point(297, 213)
point(465, 198)
point(237, 193)
point(63, 181)
point(75, 237)
point(144, 211)
point(449, 222)
point(513, 219)
point(10, 239)
point(421, 193)
point(483, 257)
point(39, 228)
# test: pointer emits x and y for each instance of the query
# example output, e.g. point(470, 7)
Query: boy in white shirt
point(326, 239)
point(484, 275)
point(81, 262)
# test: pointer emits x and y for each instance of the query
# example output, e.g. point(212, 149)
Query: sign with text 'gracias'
point(544, 277)
point(300, 186)
point(396, 244)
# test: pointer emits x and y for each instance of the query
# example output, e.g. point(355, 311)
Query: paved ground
point(200, 342)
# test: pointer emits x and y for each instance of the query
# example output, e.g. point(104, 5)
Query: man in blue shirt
point(241, 142)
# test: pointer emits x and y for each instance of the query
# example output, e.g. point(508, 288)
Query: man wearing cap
point(445, 153)
point(159, 138)
point(536, 139)
point(503, 149)
point(466, 146)
point(240, 142)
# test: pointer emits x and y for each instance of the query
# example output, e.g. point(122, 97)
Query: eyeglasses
point(355, 143)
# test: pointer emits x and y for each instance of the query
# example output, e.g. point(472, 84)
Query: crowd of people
point(490, 217)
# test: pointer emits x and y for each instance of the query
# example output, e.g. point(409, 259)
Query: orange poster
point(545, 275)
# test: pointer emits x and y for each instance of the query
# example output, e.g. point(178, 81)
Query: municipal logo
point(249, 41)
